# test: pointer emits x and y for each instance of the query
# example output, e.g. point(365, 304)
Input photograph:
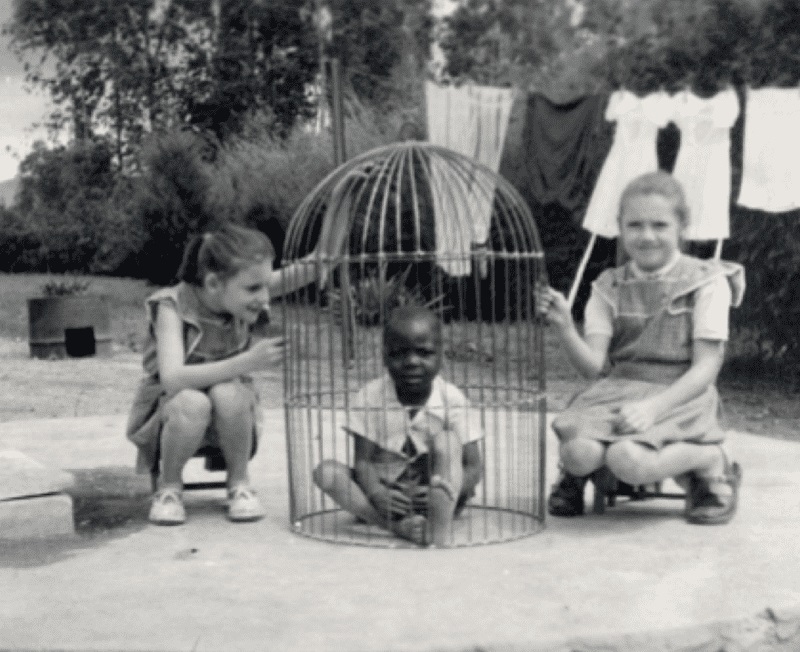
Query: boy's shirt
point(377, 415)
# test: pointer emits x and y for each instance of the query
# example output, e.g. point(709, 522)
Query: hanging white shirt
point(632, 154)
point(473, 121)
point(703, 166)
point(771, 165)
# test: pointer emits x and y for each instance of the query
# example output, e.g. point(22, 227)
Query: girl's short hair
point(224, 251)
point(658, 183)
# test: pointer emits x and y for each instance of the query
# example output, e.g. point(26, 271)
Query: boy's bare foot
point(414, 528)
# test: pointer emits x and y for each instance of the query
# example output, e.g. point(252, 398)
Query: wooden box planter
point(69, 326)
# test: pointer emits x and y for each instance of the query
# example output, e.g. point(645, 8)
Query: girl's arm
point(176, 375)
point(588, 355)
point(294, 276)
point(707, 359)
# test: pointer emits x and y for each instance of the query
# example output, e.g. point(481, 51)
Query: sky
point(20, 107)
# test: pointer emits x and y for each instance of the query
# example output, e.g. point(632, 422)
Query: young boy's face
point(413, 355)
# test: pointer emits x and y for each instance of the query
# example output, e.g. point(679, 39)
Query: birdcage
point(415, 224)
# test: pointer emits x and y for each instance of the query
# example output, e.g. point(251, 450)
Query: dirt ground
point(38, 389)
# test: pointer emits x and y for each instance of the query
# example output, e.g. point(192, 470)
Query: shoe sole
point(245, 518)
point(165, 522)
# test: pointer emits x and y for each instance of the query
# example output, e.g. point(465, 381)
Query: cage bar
point(414, 223)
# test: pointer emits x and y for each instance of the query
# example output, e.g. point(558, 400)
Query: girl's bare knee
point(231, 398)
point(581, 456)
point(189, 410)
point(565, 427)
point(630, 462)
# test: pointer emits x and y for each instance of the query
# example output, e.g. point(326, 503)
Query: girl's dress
point(651, 347)
point(207, 337)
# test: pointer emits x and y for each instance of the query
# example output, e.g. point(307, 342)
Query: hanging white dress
point(703, 166)
point(473, 121)
point(771, 165)
point(632, 154)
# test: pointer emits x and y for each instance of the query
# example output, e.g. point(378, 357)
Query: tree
point(264, 57)
point(129, 67)
point(371, 39)
point(63, 203)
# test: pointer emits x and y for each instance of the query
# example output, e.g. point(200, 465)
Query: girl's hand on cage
point(637, 416)
point(553, 306)
point(267, 352)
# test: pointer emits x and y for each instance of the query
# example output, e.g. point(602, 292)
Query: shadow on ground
point(108, 503)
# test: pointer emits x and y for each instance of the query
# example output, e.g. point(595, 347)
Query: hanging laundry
point(564, 147)
point(632, 153)
point(703, 166)
point(473, 121)
point(771, 165)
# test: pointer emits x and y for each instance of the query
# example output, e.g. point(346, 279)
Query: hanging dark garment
point(565, 146)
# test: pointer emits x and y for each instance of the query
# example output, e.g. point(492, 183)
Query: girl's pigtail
point(189, 271)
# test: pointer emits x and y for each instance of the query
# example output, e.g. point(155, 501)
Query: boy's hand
point(553, 306)
point(637, 416)
point(391, 502)
point(267, 351)
point(419, 499)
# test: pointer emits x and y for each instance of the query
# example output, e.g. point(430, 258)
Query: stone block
point(39, 517)
point(21, 477)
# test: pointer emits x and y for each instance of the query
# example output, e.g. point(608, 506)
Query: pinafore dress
point(650, 349)
point(207, 337)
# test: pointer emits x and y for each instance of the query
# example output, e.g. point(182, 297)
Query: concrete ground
point(636, 578)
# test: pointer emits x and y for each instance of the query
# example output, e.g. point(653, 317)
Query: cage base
point(477, 525)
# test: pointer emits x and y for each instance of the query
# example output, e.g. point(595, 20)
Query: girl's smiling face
point(246, 293)
point(650, 230)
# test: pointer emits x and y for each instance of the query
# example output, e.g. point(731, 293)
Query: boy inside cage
point(417, 462)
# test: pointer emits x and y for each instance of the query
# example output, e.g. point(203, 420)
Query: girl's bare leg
point(581, 457)
point(233, 420)
point(187, 416)
point(636, 463)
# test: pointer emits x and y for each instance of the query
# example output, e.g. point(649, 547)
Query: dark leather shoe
point(706, 505)
point(566, 498)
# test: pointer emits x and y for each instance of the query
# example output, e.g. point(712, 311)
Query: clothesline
point(570, 151)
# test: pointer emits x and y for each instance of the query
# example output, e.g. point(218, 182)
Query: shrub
point(260, 179)
point(61, 216)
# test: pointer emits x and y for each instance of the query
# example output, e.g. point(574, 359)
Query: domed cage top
point(415, 224)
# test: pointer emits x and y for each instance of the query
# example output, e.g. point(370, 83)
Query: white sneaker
point(167, 507)
point(243, 505)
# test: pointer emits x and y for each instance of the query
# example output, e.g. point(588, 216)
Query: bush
point(64, 200)
point(260, 180)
